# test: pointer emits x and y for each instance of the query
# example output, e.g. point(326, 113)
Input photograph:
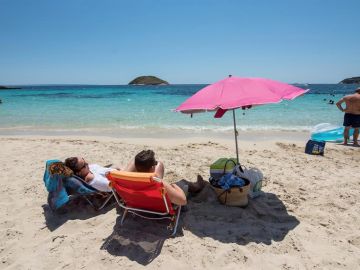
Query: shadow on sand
point(265, 219)
point(138, 239)
point(75, 209)
point(350, 144)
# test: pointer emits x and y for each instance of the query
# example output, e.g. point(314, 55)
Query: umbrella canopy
point(235, 92)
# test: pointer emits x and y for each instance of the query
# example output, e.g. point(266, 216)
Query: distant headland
point(351, 80)
point(7, 88)
point(148, 80)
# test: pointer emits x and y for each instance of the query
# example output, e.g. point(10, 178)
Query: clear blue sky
point(187, 41)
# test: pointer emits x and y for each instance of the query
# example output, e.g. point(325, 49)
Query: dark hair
point(71, 162)
point(357, 90)
point(145, 160)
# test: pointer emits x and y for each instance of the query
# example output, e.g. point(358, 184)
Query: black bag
point(315, 148)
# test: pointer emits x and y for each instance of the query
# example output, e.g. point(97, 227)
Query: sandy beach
point(104, 80)
point(307, 217)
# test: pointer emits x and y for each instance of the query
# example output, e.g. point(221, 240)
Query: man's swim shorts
point(351, 120)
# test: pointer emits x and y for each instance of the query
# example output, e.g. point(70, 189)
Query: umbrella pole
point(236, 142)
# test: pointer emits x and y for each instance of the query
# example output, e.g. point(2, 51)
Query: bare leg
point(116, 167)
point(356, 136)
point(197, 186)
point(346, 135)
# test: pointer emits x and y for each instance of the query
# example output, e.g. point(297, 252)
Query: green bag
point(220, 167)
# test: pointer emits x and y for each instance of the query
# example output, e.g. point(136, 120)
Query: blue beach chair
point(63, 189)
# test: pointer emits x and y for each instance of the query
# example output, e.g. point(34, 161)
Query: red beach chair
point(141, 194)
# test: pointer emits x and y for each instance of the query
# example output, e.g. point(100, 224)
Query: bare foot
point(198, 186)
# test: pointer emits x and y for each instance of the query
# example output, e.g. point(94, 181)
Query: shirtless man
point(352, 115)
point(145, 162)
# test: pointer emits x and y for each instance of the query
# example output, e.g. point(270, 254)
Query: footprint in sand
point(287, 146)
point(355, 241)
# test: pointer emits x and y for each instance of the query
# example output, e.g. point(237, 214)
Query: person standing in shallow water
point(352, 115)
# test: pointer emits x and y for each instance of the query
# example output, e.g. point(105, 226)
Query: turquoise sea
point(117, 109)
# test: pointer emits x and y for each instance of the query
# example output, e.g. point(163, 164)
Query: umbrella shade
point(235, 92)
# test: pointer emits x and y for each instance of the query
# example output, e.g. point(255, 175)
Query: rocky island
point(148, 80)
point(351, 80)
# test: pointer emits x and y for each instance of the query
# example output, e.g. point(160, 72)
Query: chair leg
point(89, 202)
point(177, 221)
point(123, 216)
point(106, 201)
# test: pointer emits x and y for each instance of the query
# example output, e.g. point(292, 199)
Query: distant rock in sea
point(351, 80)
point(148, 80)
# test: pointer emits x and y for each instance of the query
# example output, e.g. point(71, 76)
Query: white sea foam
point(155, 128)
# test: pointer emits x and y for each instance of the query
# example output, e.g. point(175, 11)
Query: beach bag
point(255, 177)
point(315, 148)
point(234, 196)
point(220, 167)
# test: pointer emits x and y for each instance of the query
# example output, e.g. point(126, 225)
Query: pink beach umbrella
point(235, 92)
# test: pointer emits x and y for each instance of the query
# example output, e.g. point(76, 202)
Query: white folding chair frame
point(90, 202)
point(163, 215)
point(102, 206)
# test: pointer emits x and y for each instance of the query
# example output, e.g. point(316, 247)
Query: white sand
point(308, 217)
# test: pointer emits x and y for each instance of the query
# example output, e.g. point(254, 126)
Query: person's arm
point(176, 194)
point(338, 104)
point(131, 166)
point(159, 170)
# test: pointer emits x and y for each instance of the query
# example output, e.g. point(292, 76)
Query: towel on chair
point(60, 183)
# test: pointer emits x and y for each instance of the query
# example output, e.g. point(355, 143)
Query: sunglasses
point(83, 166)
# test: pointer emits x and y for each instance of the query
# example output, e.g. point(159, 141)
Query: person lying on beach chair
point(177, 192)
point(64, 186)
point(92, 174)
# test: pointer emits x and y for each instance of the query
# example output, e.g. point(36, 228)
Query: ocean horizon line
point(175, 84)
